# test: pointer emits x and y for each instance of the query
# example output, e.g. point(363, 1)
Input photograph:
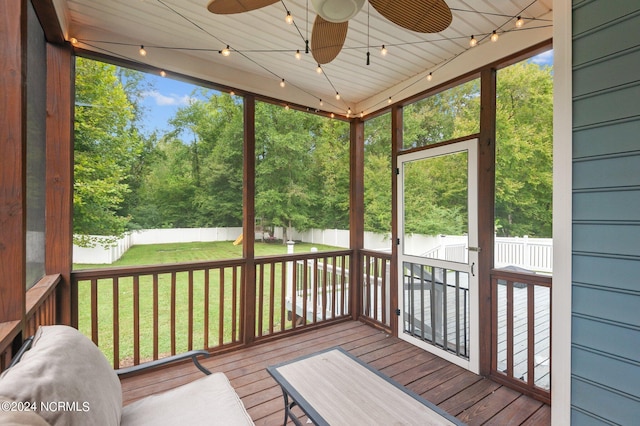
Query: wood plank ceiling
point(182, 37)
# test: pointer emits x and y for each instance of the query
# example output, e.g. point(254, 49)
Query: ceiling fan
point(332, 20)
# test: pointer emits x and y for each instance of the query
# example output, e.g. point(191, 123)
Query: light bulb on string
point(319, 69)
point(337, 96)
point(383, 51)
point(473, 42)
point(288, 19)
point(519, 22)
point(389, 100)
point(286, 107)
point(361, 114)
point(430, 77)
point(73, 40)
point(494, 36)
point(163, 73)
point(142, 51)
point(332, 115)
point(282, 83)
point(298, 56)
point(321, 103)
point(226, 51)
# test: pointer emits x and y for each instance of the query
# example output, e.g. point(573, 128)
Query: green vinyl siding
point(605, 357)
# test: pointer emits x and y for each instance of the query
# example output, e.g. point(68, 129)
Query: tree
point(524, 150)
point(107, 145)
point(377, 175)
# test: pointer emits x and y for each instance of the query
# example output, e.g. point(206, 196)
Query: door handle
point(472, 265)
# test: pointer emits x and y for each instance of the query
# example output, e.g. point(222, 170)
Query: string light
point(142, 51)
point(282, 84)
point(232, 93)
point(298, 56)
point(383, 51)
point(349, 111)
point(226, 51)
point(494, 36)
point(332, 115)
point(162, 73)
point(519, 22)
point(319, 69)
point(321, 103)
point(473, 42)
point(361, 114)
point(73, 40)
point(430, 76)
point(389, 101)
point(337, 96)
point(286, 107)
point(288, 19)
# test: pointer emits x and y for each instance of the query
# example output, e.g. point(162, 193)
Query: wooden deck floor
point(473, 399)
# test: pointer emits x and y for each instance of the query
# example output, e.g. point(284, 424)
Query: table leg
point(287, 410)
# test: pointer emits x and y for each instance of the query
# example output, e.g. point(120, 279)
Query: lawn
point(223, 324)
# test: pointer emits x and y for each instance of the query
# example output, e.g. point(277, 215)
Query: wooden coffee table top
point(333, 387)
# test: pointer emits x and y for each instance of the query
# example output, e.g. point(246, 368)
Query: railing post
point(356, 218)
point(526, 256)
point(248, 228)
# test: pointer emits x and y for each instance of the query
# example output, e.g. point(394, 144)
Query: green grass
point(177, 253)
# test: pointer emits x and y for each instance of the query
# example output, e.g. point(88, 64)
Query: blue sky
point(163, 101)
point(169, 95)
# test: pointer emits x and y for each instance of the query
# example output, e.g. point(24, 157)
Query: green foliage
point(302, 169)
point(444, 116)
point(196, 180)
point(192, 176)
point(107, 146)
point(435, 193)
point(377, 174)
point(524, 181)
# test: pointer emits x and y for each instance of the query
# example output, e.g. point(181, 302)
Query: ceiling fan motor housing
point(337, 10)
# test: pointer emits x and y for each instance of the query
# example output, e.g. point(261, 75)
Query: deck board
point(471, 398)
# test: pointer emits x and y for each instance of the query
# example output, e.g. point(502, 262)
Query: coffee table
point(333, 387)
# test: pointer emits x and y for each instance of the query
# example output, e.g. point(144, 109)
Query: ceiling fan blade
point(423, 16)
point(327, 39)
point(226, 7)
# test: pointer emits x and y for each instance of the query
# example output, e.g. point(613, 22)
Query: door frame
point(472, 268)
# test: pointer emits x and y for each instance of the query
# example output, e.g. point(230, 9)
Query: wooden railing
point(137, 314)
point(301, 290)
point(376, 288)
point(150, 312)
point(521, 332)
point(40, 309)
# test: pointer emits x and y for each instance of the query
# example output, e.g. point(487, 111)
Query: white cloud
point(545, 58)
point(171, 100)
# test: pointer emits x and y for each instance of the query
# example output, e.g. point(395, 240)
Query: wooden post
point(248, 228)
point(12, 161)
point(396, 145)
point(59, 178)
point(486, 203)
point(356, 216)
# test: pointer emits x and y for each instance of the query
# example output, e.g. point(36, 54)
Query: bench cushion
point(210, 400)
point(67, 372)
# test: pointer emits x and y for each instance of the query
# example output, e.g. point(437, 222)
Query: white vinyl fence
point(534, 254)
